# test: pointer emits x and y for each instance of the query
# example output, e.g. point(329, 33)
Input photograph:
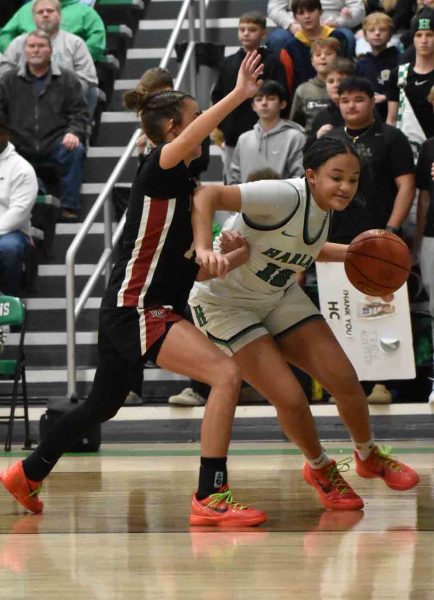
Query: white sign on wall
point(375, 335)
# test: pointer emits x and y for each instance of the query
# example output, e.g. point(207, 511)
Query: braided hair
point(324, 148)
point(154, 108)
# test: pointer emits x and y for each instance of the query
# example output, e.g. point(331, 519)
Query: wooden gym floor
point(115, 527)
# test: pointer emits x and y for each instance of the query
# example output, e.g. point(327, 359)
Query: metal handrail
point(73, 309)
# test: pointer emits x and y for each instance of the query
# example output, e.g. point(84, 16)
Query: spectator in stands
point(386, 184)
point(18, 191)
point(77, 18)
point(330, 116)
point(47, 115)
point(342, 14)
point(296, 55)
point(311, 96)
point(387, 178)
point(378, 64)
point(425, 221)
point(362, 44)
point(410, 84)
point(273, 142)
point(405, 12)
point(251, 33)
point(69, 50)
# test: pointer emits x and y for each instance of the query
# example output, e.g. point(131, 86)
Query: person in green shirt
point(77, 18)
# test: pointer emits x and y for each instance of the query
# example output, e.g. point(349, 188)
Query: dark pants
point(13, 248)
point(70, 164)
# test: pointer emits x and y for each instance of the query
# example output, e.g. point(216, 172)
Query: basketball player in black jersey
point(140, 317)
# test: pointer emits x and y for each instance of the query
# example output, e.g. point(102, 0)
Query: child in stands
point(251, 34)
point(311, 96)
point(296, 55)
point(330, 116)
point(378, 64)
point(273, 142)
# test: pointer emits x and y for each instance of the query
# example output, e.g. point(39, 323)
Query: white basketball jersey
point(277, 249)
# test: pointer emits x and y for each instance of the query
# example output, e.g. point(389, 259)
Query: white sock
point(321, 461)
point(364, 449)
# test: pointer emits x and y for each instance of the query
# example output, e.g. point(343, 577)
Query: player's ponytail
point(154, 108)
point(325, 148)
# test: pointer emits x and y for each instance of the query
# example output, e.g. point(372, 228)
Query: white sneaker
point(379, 395)
point(431, 396)
point(188, 397)
point(133, 399)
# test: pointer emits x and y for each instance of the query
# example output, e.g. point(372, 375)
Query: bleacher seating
point(126, 28)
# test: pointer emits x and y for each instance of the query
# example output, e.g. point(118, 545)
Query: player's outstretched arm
point(246, 87)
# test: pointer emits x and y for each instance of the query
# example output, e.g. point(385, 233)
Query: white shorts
point(233, 327)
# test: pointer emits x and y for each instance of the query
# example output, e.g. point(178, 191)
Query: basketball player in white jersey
point(259, 314)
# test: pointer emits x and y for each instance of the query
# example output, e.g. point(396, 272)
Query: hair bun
point(137, 99)
point(140, 100)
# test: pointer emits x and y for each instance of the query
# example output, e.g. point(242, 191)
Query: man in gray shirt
point(69, 51)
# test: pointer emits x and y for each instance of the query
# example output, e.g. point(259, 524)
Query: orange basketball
point(377, 262)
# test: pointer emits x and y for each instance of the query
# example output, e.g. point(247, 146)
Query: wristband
point(392, 229)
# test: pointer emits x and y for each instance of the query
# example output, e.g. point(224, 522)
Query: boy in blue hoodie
point(378, 64)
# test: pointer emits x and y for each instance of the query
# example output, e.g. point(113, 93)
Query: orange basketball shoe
point(380, 463)
point(24, 490)
point(221, 510)
point(334, 492)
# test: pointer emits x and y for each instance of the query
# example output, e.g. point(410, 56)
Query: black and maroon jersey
point(156, 266)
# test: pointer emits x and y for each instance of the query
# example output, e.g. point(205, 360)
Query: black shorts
point(136, 333)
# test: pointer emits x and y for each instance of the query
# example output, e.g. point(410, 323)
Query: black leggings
point(114, 377)
point(111, 385)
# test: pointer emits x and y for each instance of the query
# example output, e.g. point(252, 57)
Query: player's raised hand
point(250, 69)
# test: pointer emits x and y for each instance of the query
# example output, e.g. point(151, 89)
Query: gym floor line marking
point(196, 452)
